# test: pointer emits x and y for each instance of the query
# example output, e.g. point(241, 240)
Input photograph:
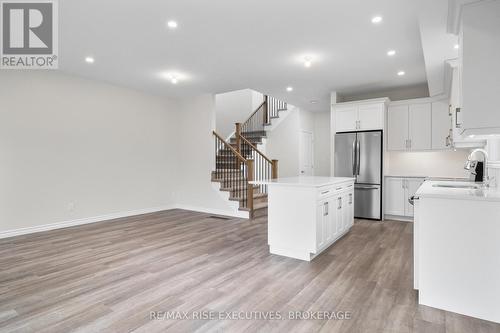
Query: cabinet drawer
point(327, 191)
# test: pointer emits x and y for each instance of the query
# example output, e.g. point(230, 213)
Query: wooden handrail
point(265, 101)
point(238, 155)
point(255, 148)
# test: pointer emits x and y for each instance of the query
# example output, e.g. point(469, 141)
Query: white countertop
point(429, 190)
point(304, 181)
point(434, 178)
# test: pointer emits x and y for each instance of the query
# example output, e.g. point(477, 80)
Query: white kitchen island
point(308, 214)
point(457, 248)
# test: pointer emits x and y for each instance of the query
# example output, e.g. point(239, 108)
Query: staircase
point(239, 161)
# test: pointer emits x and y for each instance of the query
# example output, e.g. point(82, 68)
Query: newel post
point(238, 137)
point(250, 186)
point(274, 170)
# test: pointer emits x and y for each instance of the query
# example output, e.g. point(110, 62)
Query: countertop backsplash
point(446, 164)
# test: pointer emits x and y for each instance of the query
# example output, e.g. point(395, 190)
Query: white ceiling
point(224, 45)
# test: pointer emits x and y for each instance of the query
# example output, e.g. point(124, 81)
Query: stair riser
point(253, 134)
point(227, 166)
point(255, 140)
point(259, 213)
point(259, 200)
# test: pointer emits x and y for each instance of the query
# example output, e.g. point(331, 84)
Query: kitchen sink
point(463, 186)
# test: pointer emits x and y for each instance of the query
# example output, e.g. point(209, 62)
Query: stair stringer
point(234, 205)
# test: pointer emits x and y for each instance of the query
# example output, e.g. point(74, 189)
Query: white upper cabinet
point(418, 125)
point(371, 116)
point(397, 127)
point(480, 67)
point(420, 121)
point(441, 125)
point(346, 118)
point(360, 116)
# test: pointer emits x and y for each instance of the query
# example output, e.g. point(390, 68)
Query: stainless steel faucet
point(470, 165)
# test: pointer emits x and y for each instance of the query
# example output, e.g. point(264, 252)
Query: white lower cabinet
point(398, 191)
point(334, 217)
point(308, 214)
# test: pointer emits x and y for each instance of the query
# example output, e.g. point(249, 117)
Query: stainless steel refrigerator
point(359, 155)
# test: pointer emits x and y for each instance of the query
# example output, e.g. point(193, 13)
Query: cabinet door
point(346, 210)
point(350, 208)
point(339, 219)
point(346, 117)
point(321, 218)
point(330, 227)
point(371, 116)
point(441, 125)
point(411, 186)
point(397, 127)
point(480, 51)
point(420, 126)
point(394, 196)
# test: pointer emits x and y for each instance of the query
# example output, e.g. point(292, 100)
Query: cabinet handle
point(350, 198)
point(457, 125)
point(325, 192)
point(340, 203)
point(325, 209)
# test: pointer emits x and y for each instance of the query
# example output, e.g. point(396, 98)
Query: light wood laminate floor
point(110, 276)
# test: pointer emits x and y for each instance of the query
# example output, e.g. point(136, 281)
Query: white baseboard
point(239, 214)
point(112, 216)
point(87, 220)
point(398, 218)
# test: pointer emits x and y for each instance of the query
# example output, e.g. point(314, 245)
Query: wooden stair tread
point(255, 196)
point(257, 206)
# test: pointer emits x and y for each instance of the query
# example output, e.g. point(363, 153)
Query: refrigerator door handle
point(358, 157)
point(354, 163)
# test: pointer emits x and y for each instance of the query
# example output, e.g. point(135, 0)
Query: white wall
point(322, 146)
point(394, 94)
point(197, 159)
point(71, 148)
point(283, 142)
point(430, 164)
point(234, 106)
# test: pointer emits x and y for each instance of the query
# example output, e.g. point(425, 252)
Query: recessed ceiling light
point(307, 61)
point(314, 101)
point(456, 46)
point(172, 24)
point(289, 89)
point(390, 53)
point(401, 73)
point(175, 76)
point(376, 19)
point(89, 60)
